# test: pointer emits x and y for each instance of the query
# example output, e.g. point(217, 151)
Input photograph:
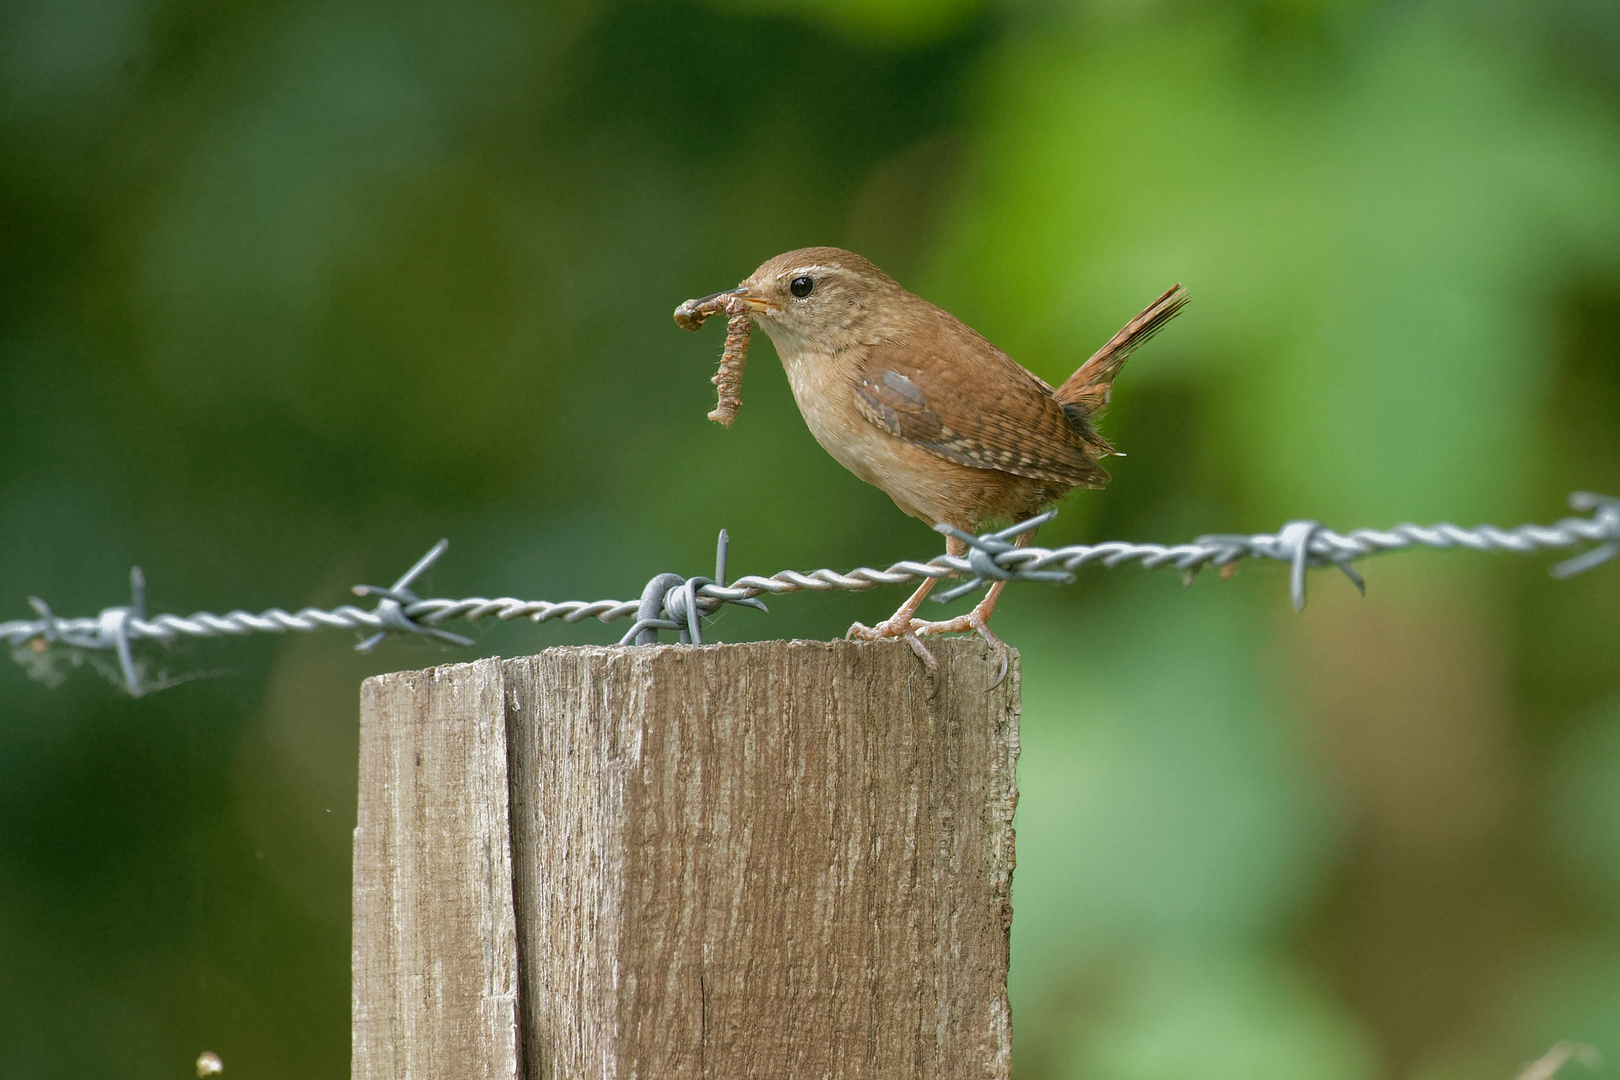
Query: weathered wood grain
point(435, 951)
point(781, 859)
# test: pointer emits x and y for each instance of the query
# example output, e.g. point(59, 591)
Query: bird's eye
point(801, 286)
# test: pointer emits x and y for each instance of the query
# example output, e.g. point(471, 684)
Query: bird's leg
point(977, 620)
point(900, 624)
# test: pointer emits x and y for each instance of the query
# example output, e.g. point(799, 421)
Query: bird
point(914, 401)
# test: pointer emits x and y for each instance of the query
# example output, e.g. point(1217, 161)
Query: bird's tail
point(1085, 393)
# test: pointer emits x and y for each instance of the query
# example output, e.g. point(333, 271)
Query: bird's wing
point(954, 394)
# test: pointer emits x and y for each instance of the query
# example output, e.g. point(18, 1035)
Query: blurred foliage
point(290, 290)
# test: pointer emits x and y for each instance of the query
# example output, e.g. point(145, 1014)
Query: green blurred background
point(289, 290)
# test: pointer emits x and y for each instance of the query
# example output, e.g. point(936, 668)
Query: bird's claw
point(972, 622)
point(1002, 653)
point(913, 631)
point(922, 653)
point(894, 628)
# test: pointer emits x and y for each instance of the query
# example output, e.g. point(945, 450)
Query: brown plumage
point(911, 399)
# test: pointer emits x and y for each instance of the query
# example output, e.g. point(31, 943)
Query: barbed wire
point(671, 602)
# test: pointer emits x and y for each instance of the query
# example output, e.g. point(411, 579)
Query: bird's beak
point(692, 313)
point(756, 305)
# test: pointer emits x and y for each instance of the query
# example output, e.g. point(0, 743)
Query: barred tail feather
point(1085, 393)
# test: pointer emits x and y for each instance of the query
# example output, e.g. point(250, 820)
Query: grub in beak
point(733, 302)
point(737, 306)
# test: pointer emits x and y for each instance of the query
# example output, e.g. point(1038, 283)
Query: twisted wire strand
point(1301, 544)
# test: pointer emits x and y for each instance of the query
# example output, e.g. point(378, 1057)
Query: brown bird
point(911, 399)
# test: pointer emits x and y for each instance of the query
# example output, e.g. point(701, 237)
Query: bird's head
point(820, 299)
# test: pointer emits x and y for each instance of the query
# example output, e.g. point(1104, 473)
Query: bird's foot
point(900, 626)
point(975, 623)
point(914, 630)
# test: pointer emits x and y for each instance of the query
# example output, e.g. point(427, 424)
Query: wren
point(911, 399)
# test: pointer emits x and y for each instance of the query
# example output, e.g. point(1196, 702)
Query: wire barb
point(1606, 519)
point(988, 556)
point(680, 604)
point(1293, 546)
point(671, 602)
point(392, 611)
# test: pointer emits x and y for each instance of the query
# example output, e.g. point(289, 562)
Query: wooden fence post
point(771, 860)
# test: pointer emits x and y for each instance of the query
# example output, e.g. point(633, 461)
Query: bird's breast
point(822, 388)
point(921, 484)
